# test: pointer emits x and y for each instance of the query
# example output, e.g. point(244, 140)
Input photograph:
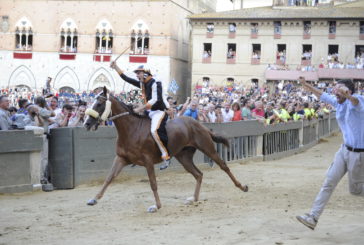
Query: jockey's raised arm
point(132, 81)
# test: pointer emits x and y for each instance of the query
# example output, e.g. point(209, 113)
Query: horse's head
point(99, 111)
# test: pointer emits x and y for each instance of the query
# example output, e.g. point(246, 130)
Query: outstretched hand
point(139, 109)
point(302, 81)
point(309, 87)
point(113, 65)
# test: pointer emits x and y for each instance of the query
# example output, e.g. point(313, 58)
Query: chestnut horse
point(135, 144)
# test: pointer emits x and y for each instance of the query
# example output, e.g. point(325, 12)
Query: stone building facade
point(74, 41)
point(237, 46)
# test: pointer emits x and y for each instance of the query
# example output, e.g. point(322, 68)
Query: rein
point(118, 115)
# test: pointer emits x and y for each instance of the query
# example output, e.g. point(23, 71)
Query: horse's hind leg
point(185, 157)
point(118, 165)
point(208, 148)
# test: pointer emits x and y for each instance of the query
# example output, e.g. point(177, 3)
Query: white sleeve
point(360, 106)
point(330, 99)
point(154, 98)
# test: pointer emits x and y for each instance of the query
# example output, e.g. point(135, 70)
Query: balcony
point(67, 56)
point(322, 73)
point(332, 35)
point(306, 35)
point(231, 60)
point(138, 58)
point(232, 34)
point(209, 34)
point(277, 36)
point(206, 60)
point(254, 35)
point(290, 75)
point(24, 55)
point(255, 61)
point(305, 62)
point(100, 57)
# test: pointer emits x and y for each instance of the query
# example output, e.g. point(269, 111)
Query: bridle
point(106, 115)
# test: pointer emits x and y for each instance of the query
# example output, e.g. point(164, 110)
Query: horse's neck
point(125, 124)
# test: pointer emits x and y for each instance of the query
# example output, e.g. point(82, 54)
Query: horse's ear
point(105, 90)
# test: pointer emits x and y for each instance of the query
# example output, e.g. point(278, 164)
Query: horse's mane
point(129, 108)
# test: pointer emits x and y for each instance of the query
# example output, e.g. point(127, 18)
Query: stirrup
point(165, 164)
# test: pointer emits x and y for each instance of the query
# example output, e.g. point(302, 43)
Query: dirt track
point(279, 190)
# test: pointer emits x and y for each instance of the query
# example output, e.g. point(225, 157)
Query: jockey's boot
point(165, 164)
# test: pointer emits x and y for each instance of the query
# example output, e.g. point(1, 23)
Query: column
point(20, 41)
point(107, 43)
point(100, 42)
point(65, 42)
point(136, 45)
point(26, 40)
point(142, 45)
point(71, 42)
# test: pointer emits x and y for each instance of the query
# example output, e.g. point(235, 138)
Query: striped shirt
point(350, 119)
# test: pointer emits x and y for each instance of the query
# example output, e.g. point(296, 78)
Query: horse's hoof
point(92, 202)
point(246, 188)
point(152, 209)
point(190, 201)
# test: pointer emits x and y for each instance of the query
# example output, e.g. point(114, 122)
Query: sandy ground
point(279, 190)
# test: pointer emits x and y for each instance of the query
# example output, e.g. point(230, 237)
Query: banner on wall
point(173, 87)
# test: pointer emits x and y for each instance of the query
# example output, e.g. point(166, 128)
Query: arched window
point(230, 82)
point(206, 82)
point(69, 37)
point(139, 38)
point(104, 38)
point(67, 89)
point(24, 35)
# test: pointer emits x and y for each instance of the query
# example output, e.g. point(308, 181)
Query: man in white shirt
point(5, 122)
point(227, 113)
point(211, 113)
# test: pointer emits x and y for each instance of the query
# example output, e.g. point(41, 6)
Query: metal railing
point(280, 141)
point(324, 126)
point(80, 157)
point(270, 140)
point(310, 131)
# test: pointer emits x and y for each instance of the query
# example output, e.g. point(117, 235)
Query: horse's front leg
point(118, 165)
point(153, 185)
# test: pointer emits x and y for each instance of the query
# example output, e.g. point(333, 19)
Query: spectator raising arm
point(184, 107)
point(309, 87)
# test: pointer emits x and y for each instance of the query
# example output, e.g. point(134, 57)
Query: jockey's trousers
point(159, 132)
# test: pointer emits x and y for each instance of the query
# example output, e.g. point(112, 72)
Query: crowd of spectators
point(332, 62)
point(25, 108)
point(282, 102)
point(286, 102)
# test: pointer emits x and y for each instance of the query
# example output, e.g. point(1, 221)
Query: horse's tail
point(219, 139)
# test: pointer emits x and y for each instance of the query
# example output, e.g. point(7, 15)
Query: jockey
point(154, 103)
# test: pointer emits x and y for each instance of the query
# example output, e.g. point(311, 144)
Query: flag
point(173, 87)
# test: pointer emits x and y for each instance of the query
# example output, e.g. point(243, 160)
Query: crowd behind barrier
point(77, 156)
point(281, 103)
point(280, 106)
